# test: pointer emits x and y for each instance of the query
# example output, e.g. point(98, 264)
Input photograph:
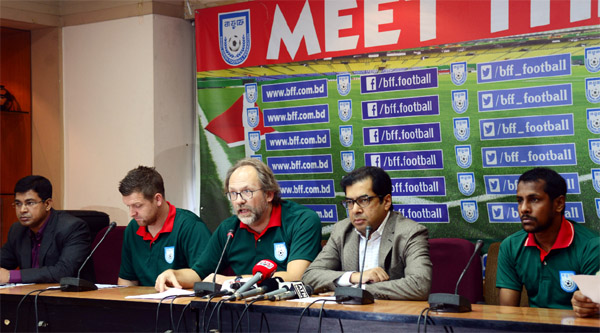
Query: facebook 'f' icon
point(374, 135)
point(371, 83)
point(372, 110)
point(376, 161)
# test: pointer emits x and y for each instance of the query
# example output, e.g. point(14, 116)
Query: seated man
point(397, 264)
point(159, 236)
point(265, 227)
point(46, 244)
point(549, 250)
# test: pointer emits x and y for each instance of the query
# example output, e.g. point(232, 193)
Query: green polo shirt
point(176, 245)
point(293, 232)
point(547, 276)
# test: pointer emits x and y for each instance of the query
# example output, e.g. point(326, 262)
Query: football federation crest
point(169, 254)
point(254, 140)
point(597, 207)
point(592, 90)
point(345, 109)
point(347, 160)
point(592, 59)
point(234, 36)
point(257, 157)
point(461, 128)
point(251, 92)
point(594, 148)
point(252, 117)
point(280, 251)
point(463, 156)
point(458, 73)
point(596, 179)
point(469, 210)
point(346, 137)
point(343, 84)
point(566, 281)
point(466, 182)
point(593, 120)
point(460, 100)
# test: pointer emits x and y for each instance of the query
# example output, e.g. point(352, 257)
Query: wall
point(118, 112)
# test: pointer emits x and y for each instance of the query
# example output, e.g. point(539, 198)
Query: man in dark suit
point(46, 244)
point(397, 264)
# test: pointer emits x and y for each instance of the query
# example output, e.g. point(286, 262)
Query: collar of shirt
point(167, 226)
point(274, 221)
point(563, 239)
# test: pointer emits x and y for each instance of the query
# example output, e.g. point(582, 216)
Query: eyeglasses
point(28, 204)
point(362, 201)
point(245, 194)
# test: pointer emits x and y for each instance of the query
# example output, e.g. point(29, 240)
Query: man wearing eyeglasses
point(264, 227)
point(397, 264)
point(46, 244)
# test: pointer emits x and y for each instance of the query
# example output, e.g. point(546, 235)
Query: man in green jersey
point(159, 236)
point(264, 227)
point(549, 250)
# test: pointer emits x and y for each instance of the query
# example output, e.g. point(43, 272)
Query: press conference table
point(109, 310)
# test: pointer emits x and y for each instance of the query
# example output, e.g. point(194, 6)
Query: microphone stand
point(204, 288)
point(443, 302)
point(351, 295)
point(77, 284)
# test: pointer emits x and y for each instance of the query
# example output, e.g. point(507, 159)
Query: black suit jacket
point(65, 245)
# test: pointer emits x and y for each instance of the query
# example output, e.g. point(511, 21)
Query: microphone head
point(230, 233)
point(266, 267)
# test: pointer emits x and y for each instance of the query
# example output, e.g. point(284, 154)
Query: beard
point(255, 213)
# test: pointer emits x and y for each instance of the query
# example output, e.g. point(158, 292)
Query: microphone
point(267, 285)
point(204, 288)
point(264, 269)
point(351, 295)
point(300, 291)
point(77, 284)
point(443, 302)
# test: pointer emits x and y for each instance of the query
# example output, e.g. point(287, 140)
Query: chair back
point(95, 220)
point(490, 292)
point(107, 258)
point(449, 257)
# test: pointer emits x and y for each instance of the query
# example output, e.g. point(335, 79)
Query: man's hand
point(166, 279)
point(372, 275)
point(583, 306)
point(4, 275)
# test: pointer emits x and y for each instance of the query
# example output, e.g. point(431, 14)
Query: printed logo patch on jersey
point(280, 251)
point(566, 281)
point(169, 254)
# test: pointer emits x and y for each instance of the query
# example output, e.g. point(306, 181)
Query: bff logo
point(345, 109)
point(458, 73)
point(251, 92)
point(234, 36)
point(596, 179)
point(343, 84)
point(592, 59)
point(592, 90)
point(252, 117)
point(463, 156)
point(280, 251)
point(254, 140)
point(594, 148)
point(347, 160)
point(169, 254)
point(346, 137)
point(469, 210)
point(461, 129)
point(566, 281)
point(466, 182)
point(460, 100)
point(593, 120)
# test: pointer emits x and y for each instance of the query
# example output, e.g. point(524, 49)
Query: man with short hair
point(46, 244)
point(265, 227)
point(549, 250)
point(397, 264)
point(159, 235)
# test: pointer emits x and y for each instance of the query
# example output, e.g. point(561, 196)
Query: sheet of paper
point(10, 285)
point(167, 293)
point(107, 286)
point(589, 286)
point(312, 299)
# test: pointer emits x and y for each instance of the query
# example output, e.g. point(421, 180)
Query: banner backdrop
point(454, 99)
